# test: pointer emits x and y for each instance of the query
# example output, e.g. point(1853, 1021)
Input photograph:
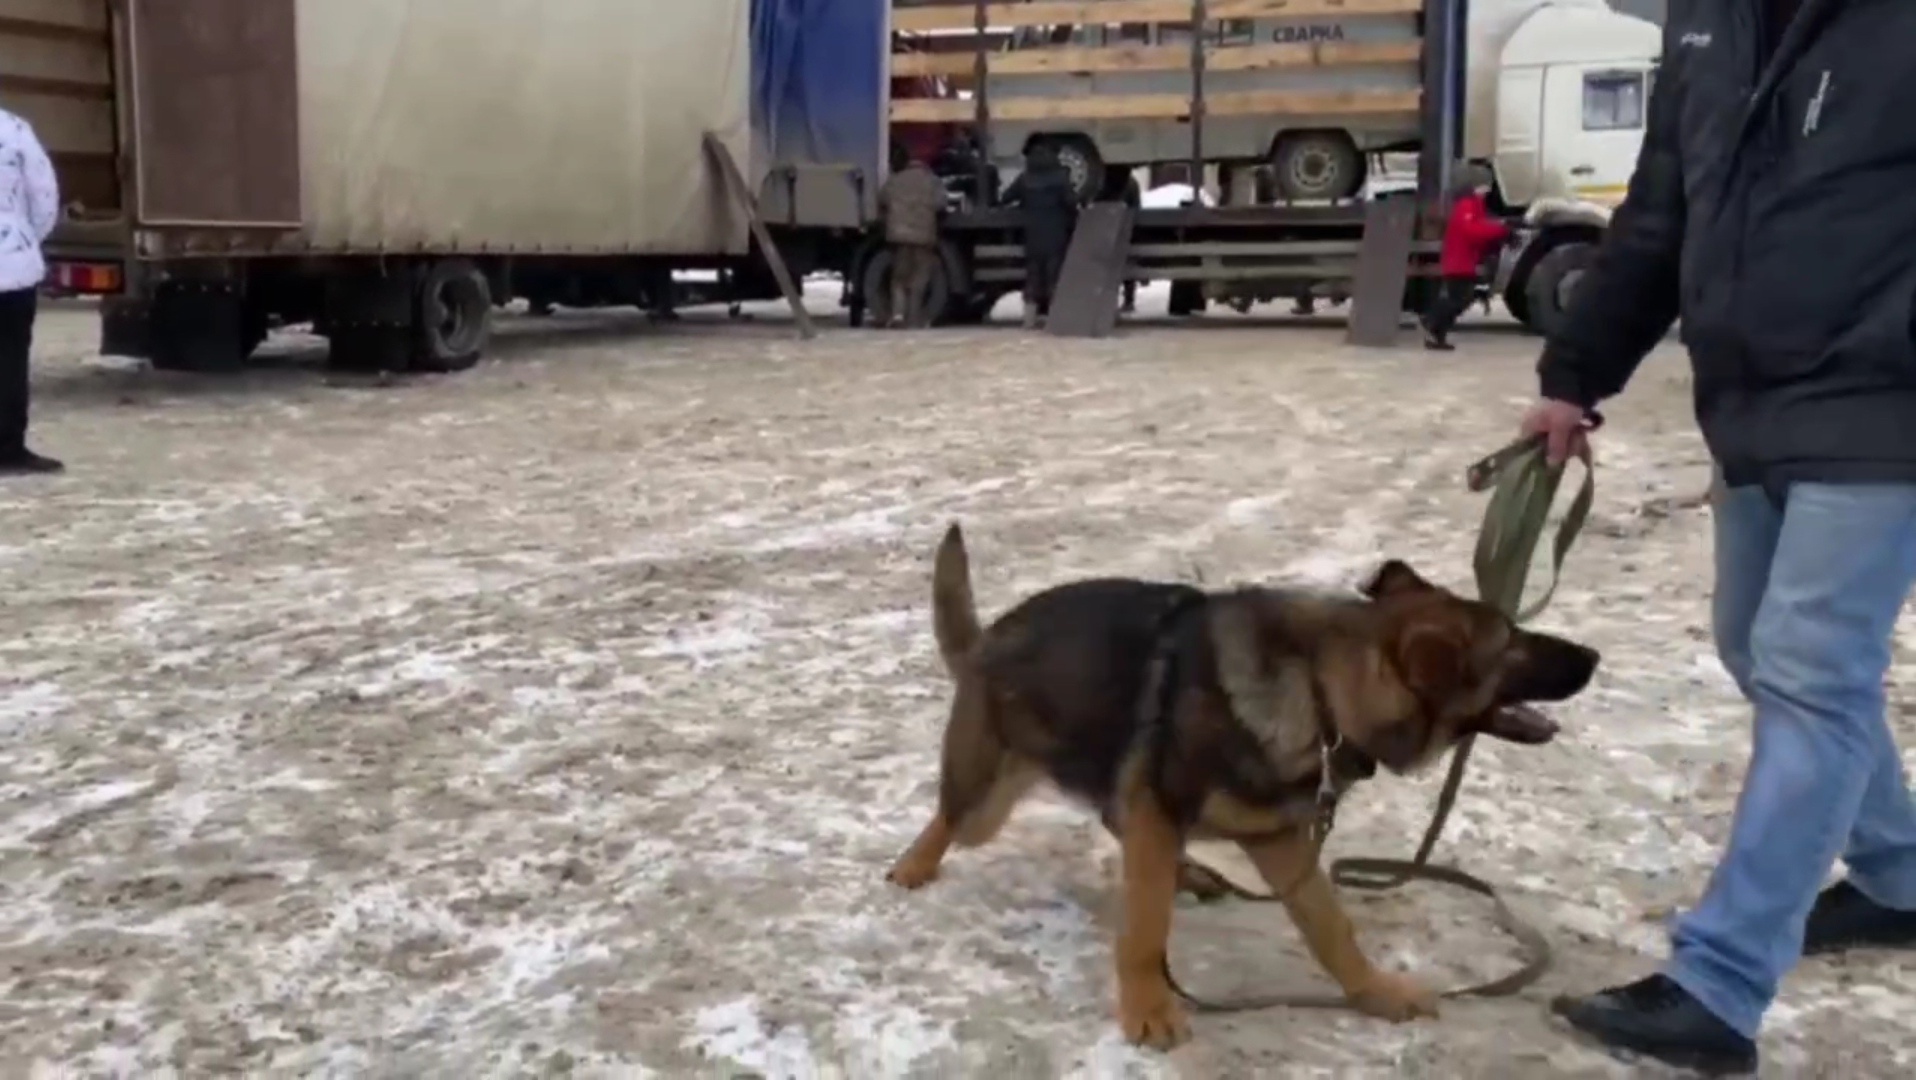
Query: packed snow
point(564, 716)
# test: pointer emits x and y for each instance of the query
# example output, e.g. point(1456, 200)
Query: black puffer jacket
point(1049, 200)
point(1774, 210)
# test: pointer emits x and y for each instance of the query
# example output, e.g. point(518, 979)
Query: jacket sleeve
point(1477, 224)
point(1629, 298)
point(42, 186)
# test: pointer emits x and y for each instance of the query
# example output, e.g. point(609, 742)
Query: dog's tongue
point(1522, 724)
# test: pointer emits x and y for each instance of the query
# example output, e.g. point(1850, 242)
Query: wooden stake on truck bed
point(742, 195)
point(1199, 24)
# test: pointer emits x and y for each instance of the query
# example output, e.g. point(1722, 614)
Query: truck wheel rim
point(1313, 169)
point(1075, 164)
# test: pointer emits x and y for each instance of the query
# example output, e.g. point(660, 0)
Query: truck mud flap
point(126, 327)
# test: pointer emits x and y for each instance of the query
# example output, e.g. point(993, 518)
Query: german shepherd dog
point(1181, 714)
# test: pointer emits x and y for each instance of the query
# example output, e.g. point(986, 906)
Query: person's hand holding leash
point(1565, 428)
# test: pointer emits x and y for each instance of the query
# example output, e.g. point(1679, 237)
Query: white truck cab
point(1559, 116)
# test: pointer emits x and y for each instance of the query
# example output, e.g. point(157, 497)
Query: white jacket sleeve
point(43, 188)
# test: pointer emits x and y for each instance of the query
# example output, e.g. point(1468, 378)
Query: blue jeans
point(1808, 588)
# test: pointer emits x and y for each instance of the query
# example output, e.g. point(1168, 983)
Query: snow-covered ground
point(565, 715)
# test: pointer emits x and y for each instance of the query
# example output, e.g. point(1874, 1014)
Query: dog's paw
point(1153, 1018)
point(910, 873)
point(1394, 997)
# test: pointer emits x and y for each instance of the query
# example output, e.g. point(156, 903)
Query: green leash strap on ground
point(1523, 486)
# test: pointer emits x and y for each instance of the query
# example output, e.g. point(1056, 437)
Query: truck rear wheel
point(1518, 304)
point(1316, 165)
point(452, 317)
point(1552, 282)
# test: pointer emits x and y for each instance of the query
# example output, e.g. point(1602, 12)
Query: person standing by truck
point(1049, 204)
point(29, 208)
point(1470, 234)
point(909, 204)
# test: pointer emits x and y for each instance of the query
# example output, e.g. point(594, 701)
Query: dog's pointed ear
point(1431, 661)
point(1392, 578)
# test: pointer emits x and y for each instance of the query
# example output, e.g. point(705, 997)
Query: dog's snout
point(1550, 669)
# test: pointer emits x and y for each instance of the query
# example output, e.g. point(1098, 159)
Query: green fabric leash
point(1523, 487)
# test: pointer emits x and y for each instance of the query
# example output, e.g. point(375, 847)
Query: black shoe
point(1844, 918)
point(28, 463)
point(1656, 1018)
point(1437, 344)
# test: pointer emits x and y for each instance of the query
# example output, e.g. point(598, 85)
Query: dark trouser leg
point(1042, 267)
point(16, 344)
point(1130, 294)
point(1453, 296)
point(1037, 285)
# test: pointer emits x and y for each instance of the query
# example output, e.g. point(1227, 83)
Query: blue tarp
point(818, 81)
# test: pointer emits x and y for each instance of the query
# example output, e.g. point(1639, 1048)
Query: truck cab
point(1565, 121)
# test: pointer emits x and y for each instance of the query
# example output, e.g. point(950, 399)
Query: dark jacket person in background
point(1049, 201)
point(909, 204)
point(1772, 211)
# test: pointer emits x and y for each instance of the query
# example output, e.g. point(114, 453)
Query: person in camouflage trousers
point(909, 204)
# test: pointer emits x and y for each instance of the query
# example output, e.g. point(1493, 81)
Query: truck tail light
point(88, 279)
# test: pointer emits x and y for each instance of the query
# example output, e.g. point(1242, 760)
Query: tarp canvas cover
point(522, 125)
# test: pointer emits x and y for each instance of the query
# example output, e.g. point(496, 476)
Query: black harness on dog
point(1337, 759)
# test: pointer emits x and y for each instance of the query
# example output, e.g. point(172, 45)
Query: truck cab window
point(1613, 100)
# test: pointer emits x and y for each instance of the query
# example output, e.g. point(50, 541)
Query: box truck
point(386, 170)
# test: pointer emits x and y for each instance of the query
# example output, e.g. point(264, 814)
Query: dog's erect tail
point(954, 614)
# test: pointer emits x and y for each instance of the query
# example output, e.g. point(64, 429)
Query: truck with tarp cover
point(389, 171)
